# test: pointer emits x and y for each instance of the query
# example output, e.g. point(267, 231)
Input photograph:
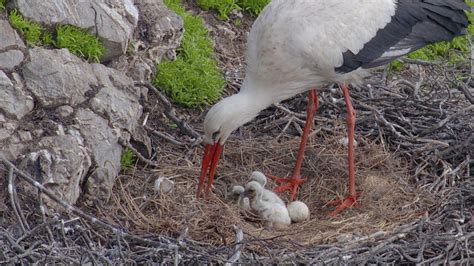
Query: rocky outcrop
point(113, 21)
point(62, 119)
point(85, 109)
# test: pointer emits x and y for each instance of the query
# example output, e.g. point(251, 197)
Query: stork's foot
point(348, 202)
point(289, 183)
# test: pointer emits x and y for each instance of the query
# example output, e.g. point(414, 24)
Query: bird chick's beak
point(212, 152)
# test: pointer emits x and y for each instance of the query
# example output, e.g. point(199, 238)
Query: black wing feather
point(416, 23)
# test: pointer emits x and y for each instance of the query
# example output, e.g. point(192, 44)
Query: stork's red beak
point(212, 152)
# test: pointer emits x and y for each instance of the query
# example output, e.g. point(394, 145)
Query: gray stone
point(11, 151)
point(112, 20)
point(10, 39)
point(164, 28)
point(64, 111)
point(63, 163)
point(57, 77)
point(119, 104)
point(164, 32)
point(13, 99)
point(25, 135)
point(141, 141)
point(7, 129)
point(102, 142)
point(10, 59)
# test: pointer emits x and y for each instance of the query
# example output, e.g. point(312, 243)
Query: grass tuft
point(30, 30)
point(127, 159)
point(194, 78)
point(253, 6)
point(223, 7)
point(79, 42)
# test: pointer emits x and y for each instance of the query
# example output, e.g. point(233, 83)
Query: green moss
point(223, 7)
point(3, 3)
point(127, 159)
point(30, 30)
point(79, 42)
point(193, 79)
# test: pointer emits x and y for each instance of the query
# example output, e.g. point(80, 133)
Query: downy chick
point(268, 205)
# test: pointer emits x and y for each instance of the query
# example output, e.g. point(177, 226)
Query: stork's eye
point(215, 134)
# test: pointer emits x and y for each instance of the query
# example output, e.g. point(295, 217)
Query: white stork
point(301, 45)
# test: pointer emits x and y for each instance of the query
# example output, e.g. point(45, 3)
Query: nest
point(414, 169)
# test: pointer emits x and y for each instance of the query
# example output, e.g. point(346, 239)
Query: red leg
point(351, 199)
point(295, 179)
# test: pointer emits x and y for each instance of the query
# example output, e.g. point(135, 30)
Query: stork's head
point(221, 120)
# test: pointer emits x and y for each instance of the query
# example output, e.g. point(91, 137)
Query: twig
point(80, 213)
point(239, 237)
point(169, 111)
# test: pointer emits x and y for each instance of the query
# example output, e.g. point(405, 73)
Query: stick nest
point(414, 170)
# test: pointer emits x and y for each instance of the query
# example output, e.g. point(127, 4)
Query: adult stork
point(301, 45)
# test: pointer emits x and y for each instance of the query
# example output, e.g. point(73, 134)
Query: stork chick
point(268, 205)
point(258, 177)
point(243, 201)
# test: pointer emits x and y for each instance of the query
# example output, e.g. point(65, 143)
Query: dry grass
point(387, 199)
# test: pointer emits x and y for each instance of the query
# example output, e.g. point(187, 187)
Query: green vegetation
point(79, 42)
point(30, 30)
point(127, 159)
point(2, 4)
point(194, 78)
point(253, 6)
point(224, 7)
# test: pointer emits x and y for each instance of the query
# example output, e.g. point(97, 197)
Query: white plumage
point(268, 205)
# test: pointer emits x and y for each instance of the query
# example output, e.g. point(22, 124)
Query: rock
point(113, 21)
point(14, 100)
point(25, 135)
point(10, 38)
point(11, 151)
point(162, 27)
point(64, 111)
point(159, 35)
point(163, 185)
point(10, 59)
point(141, 141)
point(7, 129)
point(60, 164)
point(117, 100)
point(57, 77)
point(102, 142)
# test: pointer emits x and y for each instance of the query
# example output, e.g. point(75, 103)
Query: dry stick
point(239, 237)
point(80, 213)
point(169, 110)
point(443, 122)
point(164, 136)
point(137, 153)
point(11, 192)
